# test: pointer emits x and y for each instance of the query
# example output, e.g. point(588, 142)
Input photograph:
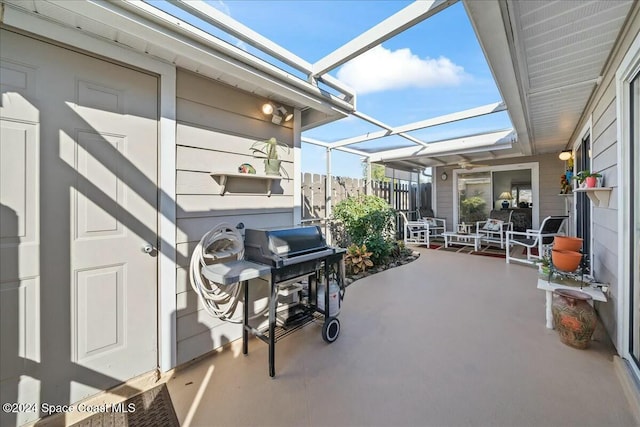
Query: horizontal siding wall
point(602, 110)
point(216, 126)
point(550, 170)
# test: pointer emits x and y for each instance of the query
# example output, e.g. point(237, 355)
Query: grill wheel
point(331, 329)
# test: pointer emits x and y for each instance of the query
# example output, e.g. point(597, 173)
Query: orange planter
point(566, 260)
point(566, 243)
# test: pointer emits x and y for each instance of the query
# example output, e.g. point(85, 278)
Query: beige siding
point(603, 113)
point(550, 170)
point(216, 126)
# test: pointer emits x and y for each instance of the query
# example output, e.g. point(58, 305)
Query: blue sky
point(436, 67)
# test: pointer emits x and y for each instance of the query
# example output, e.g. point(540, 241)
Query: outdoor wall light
point(444, 176)
point(565, 155)
point(267, 108)
point(278, 113)
point(285, 114)
point(276, 119)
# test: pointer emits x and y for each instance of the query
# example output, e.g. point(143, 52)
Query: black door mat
point(152, 408)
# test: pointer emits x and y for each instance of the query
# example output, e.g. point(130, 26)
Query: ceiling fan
point(469, 165)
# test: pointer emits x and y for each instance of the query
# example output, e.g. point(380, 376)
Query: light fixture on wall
point(278, 113)
point(565, 155)
point(444, 176)
point(284, 113)
point(267, 108)
point(505, 197)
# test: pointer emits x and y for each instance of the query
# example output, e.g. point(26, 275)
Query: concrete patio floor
point(447, 340)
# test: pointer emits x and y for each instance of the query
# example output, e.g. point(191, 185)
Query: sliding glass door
point(634, 256)
point(583, 205)
point(503, 187)
point(475, 200)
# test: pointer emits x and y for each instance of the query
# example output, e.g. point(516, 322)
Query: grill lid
point(274, 246)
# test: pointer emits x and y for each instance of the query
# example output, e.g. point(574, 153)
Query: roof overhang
point(487, 20)
point(547, 59)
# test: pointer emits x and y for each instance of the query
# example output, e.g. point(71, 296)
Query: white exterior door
point(79, 202)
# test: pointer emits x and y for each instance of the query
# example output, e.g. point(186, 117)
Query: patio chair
point(421, 231)
point(436, 226)
point(494, 228)
point(540, 239)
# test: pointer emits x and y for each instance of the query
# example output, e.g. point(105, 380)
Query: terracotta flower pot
point(591, 181)
point(566, 243)
point(573, 317)
point(566, 260)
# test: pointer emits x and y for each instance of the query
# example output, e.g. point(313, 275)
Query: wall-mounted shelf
point(226, 176)
point(599, 195)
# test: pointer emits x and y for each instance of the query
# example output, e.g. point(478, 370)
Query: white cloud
point(380, 69)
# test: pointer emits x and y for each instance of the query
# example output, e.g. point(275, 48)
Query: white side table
point(593, 291)
point(465, 228)
point(461, 239)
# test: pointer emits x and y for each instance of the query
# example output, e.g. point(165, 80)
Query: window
point(522, 196)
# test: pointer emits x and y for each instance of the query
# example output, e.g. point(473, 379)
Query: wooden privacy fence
point(401, 196)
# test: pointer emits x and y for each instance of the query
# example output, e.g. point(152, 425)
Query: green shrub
point(367, 220)
point(379, 247)
point(399, 250)
point(473, 208)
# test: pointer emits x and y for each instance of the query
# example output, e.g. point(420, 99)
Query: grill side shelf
point(235, 271)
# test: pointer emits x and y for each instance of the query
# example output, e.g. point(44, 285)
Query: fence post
point(367, 188)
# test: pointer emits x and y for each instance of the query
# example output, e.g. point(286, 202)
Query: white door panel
point(79, 200)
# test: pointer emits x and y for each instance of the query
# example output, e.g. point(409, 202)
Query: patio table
point(452, 237)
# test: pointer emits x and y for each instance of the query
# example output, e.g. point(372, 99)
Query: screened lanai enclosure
point(124, 128)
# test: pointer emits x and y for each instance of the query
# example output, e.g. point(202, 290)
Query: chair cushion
point(493, 225)
point(431, 222)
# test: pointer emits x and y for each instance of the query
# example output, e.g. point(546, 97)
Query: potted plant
point(544, 267)
point(268, 150)
point(587, 177)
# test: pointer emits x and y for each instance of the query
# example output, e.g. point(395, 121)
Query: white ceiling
point(560, 49)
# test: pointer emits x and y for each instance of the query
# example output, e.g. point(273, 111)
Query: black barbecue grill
point(292, 253)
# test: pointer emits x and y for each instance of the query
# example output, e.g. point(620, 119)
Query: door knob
point(148, 248)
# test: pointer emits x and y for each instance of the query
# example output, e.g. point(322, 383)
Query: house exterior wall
point(216, 126)
point(604, 115)
point(550, 170)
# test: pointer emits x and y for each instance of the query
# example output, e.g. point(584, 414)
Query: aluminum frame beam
point(393, 25)
point(435, 121)
point(223, 21)
point(481, 142)
point(387, 127)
